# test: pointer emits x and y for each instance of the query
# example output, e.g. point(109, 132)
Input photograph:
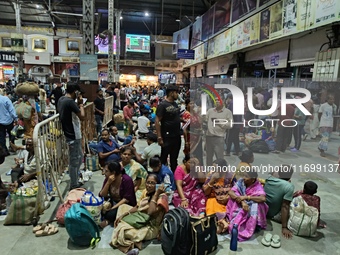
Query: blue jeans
point(75, 153)
point(99, 121)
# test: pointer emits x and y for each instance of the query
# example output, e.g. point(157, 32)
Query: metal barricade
point(108, 110)
point(51, 153)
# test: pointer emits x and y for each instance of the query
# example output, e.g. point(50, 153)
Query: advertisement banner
point(199, 53)
point(207, 23)
point(220, 44)
point(326, 11)
point(251, 30)
point(290, 17)
point(305, 14)
point(88, 67)
point(181, 37)
point(255, 29)
point(242, 8)
point(196, 32)
point(237, 37)
point(276, 18)
point(264, 25)
point(222, 15)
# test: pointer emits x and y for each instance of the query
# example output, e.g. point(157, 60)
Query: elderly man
point(27, 170)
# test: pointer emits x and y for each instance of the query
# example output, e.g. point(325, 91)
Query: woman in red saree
point(188, 194)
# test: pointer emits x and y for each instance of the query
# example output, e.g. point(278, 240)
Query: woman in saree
point(216, 188)
point(154, 203)
point(135, 170)
point(189, 194)
point(118, 187)
point(246, 206)
point(192, 131)
point(247, 157)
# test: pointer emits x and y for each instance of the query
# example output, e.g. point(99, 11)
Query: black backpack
point(259, 146)
point(176, 232)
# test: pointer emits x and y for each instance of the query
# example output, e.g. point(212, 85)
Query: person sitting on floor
point(26, 166)
point(153, 206)
point(128, 141)
point(108, 149)
point(150, 151)
point(143, 124)
point(135, 170)
point(247, 157)
point(188, 195)
point(216, 188)
point(118, 188)
point(279, 193)
point(308, 194)
point(246, 206)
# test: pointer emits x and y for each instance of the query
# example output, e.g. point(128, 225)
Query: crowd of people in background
point(168, 117)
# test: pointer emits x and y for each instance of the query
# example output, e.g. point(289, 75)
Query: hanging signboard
point(88, 67)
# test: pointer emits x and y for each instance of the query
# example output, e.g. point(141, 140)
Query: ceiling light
point(37, 6)
point(121, 17)
point(178, 20)
point(146, 14)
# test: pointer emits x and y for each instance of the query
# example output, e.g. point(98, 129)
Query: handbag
point(303, 219)
point(93, 204)
point(204, 237)
point(137, 219)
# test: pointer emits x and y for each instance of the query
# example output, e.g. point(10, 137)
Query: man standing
point(99, 104)
point(326, 112)
point(216, 131)
point(71, 113)
point(129, 111)
point(234, 132)
point(7, 118)
point(168, 127)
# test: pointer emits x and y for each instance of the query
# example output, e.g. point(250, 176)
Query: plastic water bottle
point(233, 241)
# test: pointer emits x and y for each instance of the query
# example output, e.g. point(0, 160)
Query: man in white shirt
point(326, 113)
point(150, 151)
point(215, 133)
point(143, 124)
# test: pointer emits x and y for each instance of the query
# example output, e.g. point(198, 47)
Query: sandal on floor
point(39, 227)
point(276, 241)
point(47, 231)
point(267, 239)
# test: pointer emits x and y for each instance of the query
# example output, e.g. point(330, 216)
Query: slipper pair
point(45, 230)
point(271, 240)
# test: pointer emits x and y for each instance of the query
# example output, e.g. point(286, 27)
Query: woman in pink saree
point(188, 194)
point(246, 206)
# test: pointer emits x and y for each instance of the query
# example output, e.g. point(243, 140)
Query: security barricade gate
point(51, 154)
point(108, 110)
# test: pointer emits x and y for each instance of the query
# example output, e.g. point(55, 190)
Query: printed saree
point(125, 237)
point(247, 221)
point(194, 194)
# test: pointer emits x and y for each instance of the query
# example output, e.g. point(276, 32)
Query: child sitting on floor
point(309, 189)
